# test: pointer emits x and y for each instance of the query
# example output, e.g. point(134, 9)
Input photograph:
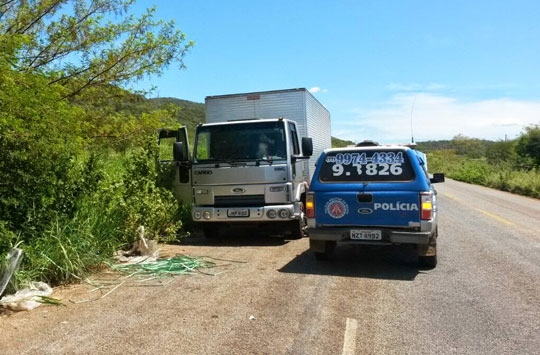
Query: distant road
point(483, 298)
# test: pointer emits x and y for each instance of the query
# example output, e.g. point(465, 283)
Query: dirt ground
point(481, 299)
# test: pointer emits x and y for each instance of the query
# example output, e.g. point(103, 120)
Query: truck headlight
point(207, 215)
point(283, 213)
point(197, 214)
point(271, 213)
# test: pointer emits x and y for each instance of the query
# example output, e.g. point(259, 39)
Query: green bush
point(528, 147)
point(517, 181)
point(117, 193)
point(474, 171)
point(503, 175)
point(146, 203)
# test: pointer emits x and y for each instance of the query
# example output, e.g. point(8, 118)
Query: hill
point(429, 146)
point(340, 143)
point(190, 113)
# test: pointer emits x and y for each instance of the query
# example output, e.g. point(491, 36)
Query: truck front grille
point(234, 201)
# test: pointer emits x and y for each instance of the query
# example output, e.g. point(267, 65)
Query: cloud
point(317, 89)
point(440, 117)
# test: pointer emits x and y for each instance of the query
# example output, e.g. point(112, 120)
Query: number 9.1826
point(370, 169)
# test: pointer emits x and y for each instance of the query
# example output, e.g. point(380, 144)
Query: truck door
point(180, 169)
point(297, 165)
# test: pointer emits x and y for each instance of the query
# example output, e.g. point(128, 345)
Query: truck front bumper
point(283, 213)
point(389, 235)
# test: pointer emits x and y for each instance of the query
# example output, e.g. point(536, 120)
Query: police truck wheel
point(328, 251)
point(427, 257)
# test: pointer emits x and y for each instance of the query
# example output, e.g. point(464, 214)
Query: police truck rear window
point(366, 165)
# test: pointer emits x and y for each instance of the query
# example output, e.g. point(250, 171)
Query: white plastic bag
point(27, 298)
point(13, 260)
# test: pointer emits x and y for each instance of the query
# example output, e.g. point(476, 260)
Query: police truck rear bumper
point(389, 236)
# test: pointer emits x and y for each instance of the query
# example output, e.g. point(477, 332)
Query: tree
point(501, 151)
point(77, 43)
point(528, 146)
point(62, 65)
point(472, 147)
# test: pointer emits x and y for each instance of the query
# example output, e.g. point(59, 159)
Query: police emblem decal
point(336, 208)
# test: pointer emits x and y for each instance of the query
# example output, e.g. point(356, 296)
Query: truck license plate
point(238, 212)
point(357, 234)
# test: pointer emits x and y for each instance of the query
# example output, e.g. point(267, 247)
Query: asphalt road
point(483, 298)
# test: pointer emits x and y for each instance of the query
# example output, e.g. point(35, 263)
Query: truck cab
point(249, 173)
point(373, 194)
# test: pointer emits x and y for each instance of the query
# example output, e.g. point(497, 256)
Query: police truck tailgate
point(374, 208)
point(372, 187)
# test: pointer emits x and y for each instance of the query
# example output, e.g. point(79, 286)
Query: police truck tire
point(328, 252)
point(429, 261)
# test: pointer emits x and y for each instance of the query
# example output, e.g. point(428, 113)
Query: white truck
point(253, 160)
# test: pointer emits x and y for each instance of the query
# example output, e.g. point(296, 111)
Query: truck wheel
point(429, 262)
point(297, 230)
point(212, 231)
point(323, 250)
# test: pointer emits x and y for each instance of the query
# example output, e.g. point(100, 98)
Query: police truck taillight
point(310, 205)
point(426, 205)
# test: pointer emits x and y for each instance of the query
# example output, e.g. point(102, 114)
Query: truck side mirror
point(437, 177)
point(166, 133)
point(178, 151)
point(307, 146)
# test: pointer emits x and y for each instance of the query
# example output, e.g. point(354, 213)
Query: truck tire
point(297, 229)
point(428, 262)
point(212, 230)
point(323, 250)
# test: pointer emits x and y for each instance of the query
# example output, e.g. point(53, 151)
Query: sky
point(452, 67)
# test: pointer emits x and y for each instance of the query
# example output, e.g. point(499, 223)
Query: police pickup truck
point(373, 194)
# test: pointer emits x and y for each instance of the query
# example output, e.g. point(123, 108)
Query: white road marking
point(349, 339)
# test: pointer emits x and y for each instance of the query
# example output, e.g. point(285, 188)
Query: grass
point(502, 176)
point(72, 247)
point(105, 220)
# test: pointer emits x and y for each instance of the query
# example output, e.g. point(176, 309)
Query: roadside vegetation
point(340, 143)
point(79, 169)
point(512, 166)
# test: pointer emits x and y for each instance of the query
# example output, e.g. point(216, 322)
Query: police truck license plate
point(366, 234)
point(238, 212)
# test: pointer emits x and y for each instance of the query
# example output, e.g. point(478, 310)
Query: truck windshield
point(241, 142)
point(366, 166)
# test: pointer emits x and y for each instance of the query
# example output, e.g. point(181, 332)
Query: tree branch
point(36, 20)
point(96, 76)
